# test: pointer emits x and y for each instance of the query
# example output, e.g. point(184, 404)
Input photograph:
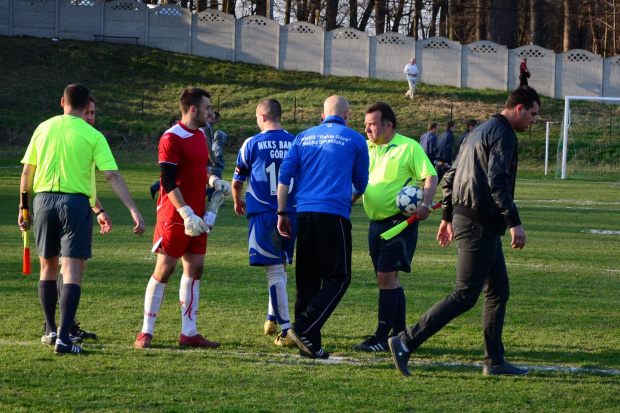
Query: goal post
point(589, 144)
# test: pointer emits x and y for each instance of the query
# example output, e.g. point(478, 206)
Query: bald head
point(336, 106)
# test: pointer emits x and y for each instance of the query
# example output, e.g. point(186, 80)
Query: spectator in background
point(216, 151)
point(524, 73)
point(428, 141)
point(411, 70)
point(445, 141)
point(471, 124)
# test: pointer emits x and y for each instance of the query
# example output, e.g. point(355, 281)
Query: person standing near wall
point(411, 70)
point(524, 73)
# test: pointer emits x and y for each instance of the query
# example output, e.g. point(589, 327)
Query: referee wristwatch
point(101, 211)
point(281, 213)
point(427, 206)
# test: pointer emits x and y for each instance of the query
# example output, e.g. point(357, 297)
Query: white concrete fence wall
point(302, 46)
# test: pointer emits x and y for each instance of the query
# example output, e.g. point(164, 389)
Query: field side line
point(333, 359)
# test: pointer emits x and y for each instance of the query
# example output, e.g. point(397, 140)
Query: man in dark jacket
point(478, 206)
point(471, 125)
point(445, 141)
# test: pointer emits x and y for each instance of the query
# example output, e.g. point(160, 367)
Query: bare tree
point(353, 13)
point(503, 22)
point(366, 16)
point(331, 14)
point(398, 15)
point(380, 14)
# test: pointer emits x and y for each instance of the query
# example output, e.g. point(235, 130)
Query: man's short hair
point(216, 115)
point(173, 121)
point(524, 95)
point(387, 114)
point(449, 124)
point(192, 96)
point(272, 110)
point(77, 96)
point(432, 125)
point(472, 123)
point(92, 99)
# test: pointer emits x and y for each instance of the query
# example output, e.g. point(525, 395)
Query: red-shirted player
point(180, 230)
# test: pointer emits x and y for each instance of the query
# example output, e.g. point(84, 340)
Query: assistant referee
point(58, 167)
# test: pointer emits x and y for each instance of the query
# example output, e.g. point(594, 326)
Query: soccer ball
point(408, 199)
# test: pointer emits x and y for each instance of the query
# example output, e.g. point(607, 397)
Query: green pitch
point(563, 320)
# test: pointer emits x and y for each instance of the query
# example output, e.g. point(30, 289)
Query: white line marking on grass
point(333, 359)
point(602, 231)
point(11, 167)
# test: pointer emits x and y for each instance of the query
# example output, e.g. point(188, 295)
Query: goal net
point(589, 143)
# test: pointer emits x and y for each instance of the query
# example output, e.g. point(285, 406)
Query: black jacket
point(445, 141)
point(481, 182)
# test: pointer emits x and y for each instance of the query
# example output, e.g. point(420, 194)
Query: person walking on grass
point(58, 167)
point(327, 161)
point(259, 163)
point(180, 232)
point(478, 205)
point(411, 70)
point(395, 161)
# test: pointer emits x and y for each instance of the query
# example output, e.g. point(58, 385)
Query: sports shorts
point(63, 224)
point(171, 238)
point(394, 254)
point(266, 245)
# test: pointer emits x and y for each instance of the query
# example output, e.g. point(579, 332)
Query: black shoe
point(62, 348)
point(372, 345)
point(49, 339)
point(320, 354)
point(505, 369)
point(76, 331)
point(399, 355)
point(306, 348)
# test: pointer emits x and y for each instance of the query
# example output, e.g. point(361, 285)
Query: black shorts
point(394, 254)
point(63, 223)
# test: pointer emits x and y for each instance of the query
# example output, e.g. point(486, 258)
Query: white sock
point(278, 297)
point(152, 301)
point(188, 296)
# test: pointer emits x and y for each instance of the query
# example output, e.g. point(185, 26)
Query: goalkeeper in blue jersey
point(259, 163)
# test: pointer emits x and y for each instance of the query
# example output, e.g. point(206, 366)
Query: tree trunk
point(443, 18)
point(568, 27)
point(261, 8)
point(417, 20)
point(366, 15)
point(287, 12)
point(432, 30)
point(228, 6)
point(398, 16)
point(353, 14)
point(503, 26)
point(302, 10)
point(380, 12)
point(331, 12)
point(481, 20)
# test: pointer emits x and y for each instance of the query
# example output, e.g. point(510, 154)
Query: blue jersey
point(327, 162)
point(259, 159)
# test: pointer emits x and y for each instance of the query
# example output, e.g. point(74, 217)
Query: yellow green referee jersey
point(392, 165)
point(65, 150)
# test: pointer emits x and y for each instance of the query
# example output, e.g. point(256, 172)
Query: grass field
point(562, 320)
point(563, 316)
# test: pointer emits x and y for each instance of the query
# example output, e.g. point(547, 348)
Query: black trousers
point(323, 270)
point(480, 265)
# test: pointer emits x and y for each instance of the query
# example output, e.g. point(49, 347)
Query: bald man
point(330, 165)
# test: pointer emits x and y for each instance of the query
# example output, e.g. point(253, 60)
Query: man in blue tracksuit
point(325, 161)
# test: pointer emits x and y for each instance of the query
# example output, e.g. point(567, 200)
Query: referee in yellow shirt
point(58, 168)
point(395, 161)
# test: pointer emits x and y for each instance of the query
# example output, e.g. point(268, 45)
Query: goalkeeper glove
point(220, 185)
point(209, 219)
point(194, 226)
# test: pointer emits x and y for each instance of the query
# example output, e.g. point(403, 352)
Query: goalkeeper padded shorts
point(171, 238)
